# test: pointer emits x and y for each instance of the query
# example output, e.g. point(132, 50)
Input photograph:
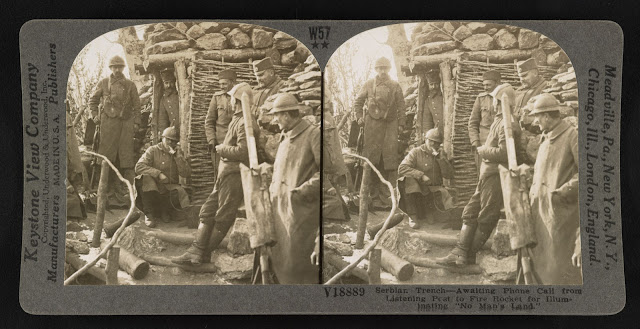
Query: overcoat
point(420, 161)
point(295, 201)
point(432, 115)
point(556, 220)
point(156, 160)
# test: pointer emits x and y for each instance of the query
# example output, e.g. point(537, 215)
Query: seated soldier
point(421, 174)
point(160, 167)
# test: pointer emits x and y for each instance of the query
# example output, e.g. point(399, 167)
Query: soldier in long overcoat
point(333, 169)
point(554, 197)
point(382, 120)
point(295, 194)
point(432, 114)
point(219, 114)
point(169, 111)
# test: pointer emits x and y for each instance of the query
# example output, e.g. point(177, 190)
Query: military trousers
point(154, 204)
point(483, 209)
point(417, 205)
point(222, 204)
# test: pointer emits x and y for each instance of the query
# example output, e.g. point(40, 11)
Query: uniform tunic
point(169, 112)
point(481, 118)
point(432, 115)
point(218, 118)
point(261, 94)
point(420, 161)
point(524, 94)
point(556, 221)
point(385, 112)
point(116, 121)
point(295, 201)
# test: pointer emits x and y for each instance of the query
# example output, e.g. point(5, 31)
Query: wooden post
point(103, 188)
point(364, 205)
point(422, 92)
point(395, 265)
point(448, 92)
point(112, 265)
point(155, 106)
point(184, 91)
point(373, 272)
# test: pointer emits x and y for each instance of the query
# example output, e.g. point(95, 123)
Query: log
point(364, 205)
point(423, 63)
point(155, 106)
point(111, 270)
point(130, 263)
point(428, 262)
point(232, 55)
point(395, 265)
point(340, 264)
point(373, 271)
point(164, 261)
point(179, 238)
point(441, 239)
point(448, 94)
point(156, 62)
point(183, 84)
point(422, 93)
point(395, 220)
point(78, 263)
point(103, 188)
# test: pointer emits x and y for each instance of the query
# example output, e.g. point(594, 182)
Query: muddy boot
point(193, 255)
point(414, 223)
point(219, 232)
point(479, 240)
point(458, 256)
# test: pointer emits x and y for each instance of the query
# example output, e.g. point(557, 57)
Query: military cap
point(434, 135)
point(167, 75)
point(170, 133)
point(116, 61)
point(285, 102)
point(228, 74)
point(262, 64)
point(491, 75)
point(526, 66)
point(383, 62)
point(545, 103)
point(433, 76)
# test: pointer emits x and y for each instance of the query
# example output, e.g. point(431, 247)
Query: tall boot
point(479, 239)
point(458, 256)
point(217, 234)
point(193, 255)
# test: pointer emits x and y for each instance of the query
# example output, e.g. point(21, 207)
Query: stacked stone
point(142, 137)
point(234, 41)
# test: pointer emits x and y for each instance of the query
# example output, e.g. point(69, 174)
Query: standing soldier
point(554, 197)
point(382, 120)
point(119, 118)
point(432, 114)
point(268, 84)
point(483, 113)
point(480, 215)
point(219, 115)
point(169, 112)
point(295, 194)
point(218, 213)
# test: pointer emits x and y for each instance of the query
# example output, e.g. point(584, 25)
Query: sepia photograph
point(450, 157)
point(193, 157)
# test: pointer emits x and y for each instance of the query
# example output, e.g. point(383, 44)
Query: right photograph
point(450, 157)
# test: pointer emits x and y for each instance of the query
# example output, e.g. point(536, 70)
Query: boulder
point(512, 29)
point(210, 27)
point(492, 31)
point(338, 237)
point(81, 237)
point(195, 32)
point(239, 238)
point(539, 56)
point(432, 36)
point(162, 27)
point(527, 39)
point(339, 248)
point(314, 93)
point(477, 27)
point(569, 95)
point(495, 269)
point(433, 48)
point(168, 47)
point(478, 42)
point(232, 268)
point(547, 44)
point(449, 27)
point(557, 58)
point(165, 35)
point(276, 58)
point(285, 44)
point(225, 30)
point(462, 33)
point(302, 52)
point(505, 40)
point(238, 39)
point(289, 58)
point(182, 27)
point(501, 246)
point(139, 243)
point(78, 246)
point(246, 28)
point(261, 38)
point(212, 41)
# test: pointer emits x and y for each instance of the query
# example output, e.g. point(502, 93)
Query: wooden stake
point(103, 188)
point(448, 92)
point(373, 272)
point(364, 205)
point(112, 267)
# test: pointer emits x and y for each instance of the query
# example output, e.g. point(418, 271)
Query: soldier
point(169, 112)
point(480, 215)
point(532, 85)
point(218, 213)
point(333, 168)
point(483, 113)
point(268, 84)
point(421, 174)
point(119, 118)
point(432, 114)
point(219, 114)
point(554, 197)
point(295, 194)
point(159, 168)
point(383, 119)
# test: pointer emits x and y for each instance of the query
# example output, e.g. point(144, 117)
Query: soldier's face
point(433, 145)
point(283, 120)
point(528, 78)
point(226, 84)
point(542, 120)
point(170, 143)
point(117, 69)
point(265, 77)
point(382, 70)
point(433, 86)
point(489, 85)
point(168, 84)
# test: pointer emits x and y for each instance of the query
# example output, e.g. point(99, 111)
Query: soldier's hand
point(315, 260)
point(217, 148)
point(425, 179)
point(576, 259)
point(360, 121)
point(476, 144)
point(95, 118)
point(163, 178)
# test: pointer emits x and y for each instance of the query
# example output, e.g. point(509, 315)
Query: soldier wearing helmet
point(116, 106)
point(420, 179)
point(383, 118)
point(554, 197)
point(159, 168)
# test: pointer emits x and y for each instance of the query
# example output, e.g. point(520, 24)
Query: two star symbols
point(324, 44)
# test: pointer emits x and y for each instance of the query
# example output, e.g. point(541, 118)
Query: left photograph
point(193, 153)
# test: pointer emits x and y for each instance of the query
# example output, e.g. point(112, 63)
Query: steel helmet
point(545, 103)
point(116, 61)
point(383, 62)
point(434, 135)
point(285, 102)
point(171, 133)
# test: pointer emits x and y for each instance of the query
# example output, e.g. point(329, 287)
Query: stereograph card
point(321, 167)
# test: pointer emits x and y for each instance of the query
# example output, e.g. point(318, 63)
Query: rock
point(138, 243)
point(565, 77)
point(81, 237)
point(75, 227)
point(433, 48)
point(512, 29)
point(285, 45)
point(182, 27)
point(162, 27)
point(462, 33)
point(307, 76)
point(238, 39)
point(430, 27)
point(168, 47)
point(478, 42)
point(338, 237)
point(261, 38)
point(477, 27)
point(449, 27)
point(232, 268)
point(177, 271)
point(225, 30)
point(547, 44)
point(246, 28)
point(539, 56)
point(557, 58)
point(570, 85)
point(312, 67)
point(289, 58)
point(210, 27)
point(432, 36)
point(527, 39)
point(341, 249)
point(195, 32)
point(310, 60)
point(239, 238)
point(290, 89)
point(492, 31)
point(212, 41)
point(400, 242)
point(282, 36)
point(310, 84)
point(165, 35)
point(275, 56)
point(302, 53)
point(314, 93)
point(501, 246)
point(70, 235)
point(495, 269)
point(505, 40)
point(569, 95)
point(78, 246)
